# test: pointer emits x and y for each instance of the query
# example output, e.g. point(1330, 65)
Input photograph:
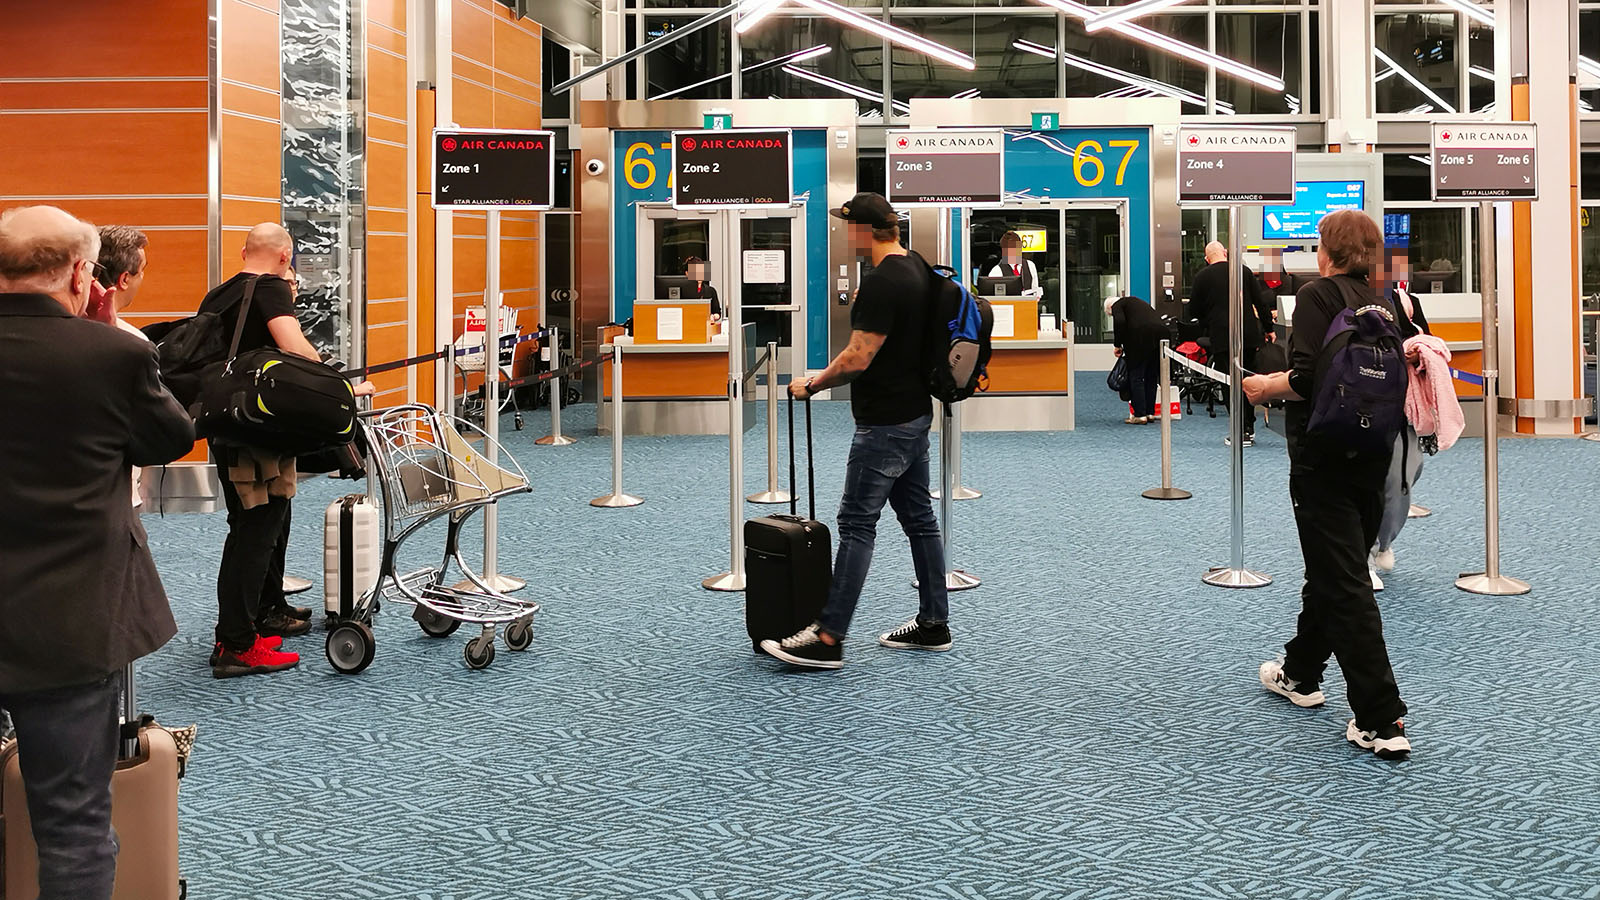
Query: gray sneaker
point(1303, 696)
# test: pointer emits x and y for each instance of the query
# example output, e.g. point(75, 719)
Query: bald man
point(79, 595)
point(1208, 304)
point(252, 615)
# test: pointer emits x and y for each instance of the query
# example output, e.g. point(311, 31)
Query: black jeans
point(1337, 513)
point(67, 743)
point(1144, 379)
point(250, 580)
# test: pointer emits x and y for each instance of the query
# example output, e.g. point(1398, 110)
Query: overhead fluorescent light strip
point(1384, 58)
point(1589, 65)
point(1172, 45)
point(1128, 13)
point(753, 16)
point(797, 56)
point(1089, 65)
point(844, 87)
point(848, 16)
point(1473, 11)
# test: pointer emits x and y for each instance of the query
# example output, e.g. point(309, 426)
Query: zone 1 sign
point(490, 169)
point(733, 167)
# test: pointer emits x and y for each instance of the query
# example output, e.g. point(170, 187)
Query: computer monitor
point(674, 287)
point(1313, 200)
point(999, 286)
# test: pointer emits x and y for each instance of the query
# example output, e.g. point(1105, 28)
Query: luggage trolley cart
point(470, 357)
point(427, 470)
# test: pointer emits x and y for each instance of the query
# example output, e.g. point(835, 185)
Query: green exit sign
point(1046, 121)
point(718, 121)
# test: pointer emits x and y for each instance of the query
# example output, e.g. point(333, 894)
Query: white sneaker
point(1384, 560)
point(1273, 679)
point(1377, 583)
point(1389, 742)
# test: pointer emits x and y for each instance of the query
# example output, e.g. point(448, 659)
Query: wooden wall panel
point(391, 331)
point(252, 158)
point(161, 38)
point(103, 154)
point(386, 176)
point(186, 94)
point(387, 89)
point(248, 45)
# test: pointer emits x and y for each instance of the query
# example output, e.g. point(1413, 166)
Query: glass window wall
point(1415, 68)
point(851, 67)
point(1003, 69)
point(691, 62)
point(1272, 42)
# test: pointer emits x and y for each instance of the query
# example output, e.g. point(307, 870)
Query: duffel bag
point(277, 401)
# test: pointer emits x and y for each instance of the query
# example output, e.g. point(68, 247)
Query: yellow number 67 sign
point(1033, 239)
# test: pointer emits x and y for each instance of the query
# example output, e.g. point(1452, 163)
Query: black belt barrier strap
point(509, 340)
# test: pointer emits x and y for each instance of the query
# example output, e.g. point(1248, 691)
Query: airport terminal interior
point(653, 211)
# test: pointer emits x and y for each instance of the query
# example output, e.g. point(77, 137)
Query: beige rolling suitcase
point(144, 812)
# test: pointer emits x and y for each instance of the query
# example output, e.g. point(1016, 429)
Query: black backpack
point(186, 347)
point(958, 331)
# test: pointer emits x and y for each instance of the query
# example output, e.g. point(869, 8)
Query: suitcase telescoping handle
point(811, 473)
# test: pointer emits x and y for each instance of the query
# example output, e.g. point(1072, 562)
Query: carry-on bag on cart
point(144, 812)
point(788, 560)
point(352, 550)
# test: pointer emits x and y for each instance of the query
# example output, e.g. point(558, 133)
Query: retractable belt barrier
point(509, 340)
point(1188, 363)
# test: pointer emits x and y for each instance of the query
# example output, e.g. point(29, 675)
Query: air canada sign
point(1223, 166)
point(723, 168)
point(482, 169)
point(945, 167)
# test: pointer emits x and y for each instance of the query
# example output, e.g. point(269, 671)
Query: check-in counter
point(1030, 385)
point(670, 384)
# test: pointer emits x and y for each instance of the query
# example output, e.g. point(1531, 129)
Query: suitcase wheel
point(351, 647)
point(479, 652)
point(518, 636)
point(436, 624)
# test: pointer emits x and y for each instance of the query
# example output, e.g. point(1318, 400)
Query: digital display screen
point(1312, 200)
point(1397, 230)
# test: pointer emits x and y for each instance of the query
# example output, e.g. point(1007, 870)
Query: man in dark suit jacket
point(79, 595)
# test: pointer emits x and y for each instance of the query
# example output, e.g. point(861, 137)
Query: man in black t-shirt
point(252, 615)
point(889, 456)
point(1208, 304)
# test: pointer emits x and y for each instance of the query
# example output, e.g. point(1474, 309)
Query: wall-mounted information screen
point(1312, 200)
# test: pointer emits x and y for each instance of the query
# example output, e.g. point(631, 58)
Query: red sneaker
point(268, 643)
point(258, 660)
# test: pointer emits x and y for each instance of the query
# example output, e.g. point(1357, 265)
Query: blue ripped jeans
point(888, 464)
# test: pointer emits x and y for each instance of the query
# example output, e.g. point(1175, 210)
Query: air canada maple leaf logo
point(689, 145)
point(1193, 140)
point(449, 145)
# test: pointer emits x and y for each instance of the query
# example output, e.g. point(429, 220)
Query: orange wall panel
point(140, 212)
point(386, 85)
point(474, 104)
point(516, 51)
point(82, 40)
point(387, 12)
point(252, 158)
point(512, 112)
point(472, 31)
point(386, 267)
point(386, 179)
point(109, 154)
point(104, 94)
point(247, 44)
point(251, 101)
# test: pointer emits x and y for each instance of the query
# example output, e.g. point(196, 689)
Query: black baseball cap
point(867, 208)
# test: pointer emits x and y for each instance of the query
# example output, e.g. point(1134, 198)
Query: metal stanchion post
point(773, 494)
point(618, 498)
point(1166, 491)
point(491, 412)
point(1490, 581)
point(555, 438)
point(962, 492)
point(954, 579)
point(1235, 575)
point(733, 579)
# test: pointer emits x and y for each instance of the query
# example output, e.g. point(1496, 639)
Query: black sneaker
point(1389, 741)
point(806, 648)
point(276, 624)
point(299, 613)
point(913, 635)
point(1249, 440)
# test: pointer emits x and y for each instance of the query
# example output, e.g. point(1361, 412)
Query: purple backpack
point(1360, 402)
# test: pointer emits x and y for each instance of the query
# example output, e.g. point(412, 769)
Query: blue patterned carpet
point(1098, 731)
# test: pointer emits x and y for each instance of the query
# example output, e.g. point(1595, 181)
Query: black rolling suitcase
point(788, 560)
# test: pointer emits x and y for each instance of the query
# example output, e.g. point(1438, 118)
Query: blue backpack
point(1360, 402)
point(959, 327)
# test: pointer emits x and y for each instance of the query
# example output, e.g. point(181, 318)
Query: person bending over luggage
point(1137, 332)
point(889, 456)
point(253, 616)
point(1338, 502)
point(1208, 303)
point(80, 598)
